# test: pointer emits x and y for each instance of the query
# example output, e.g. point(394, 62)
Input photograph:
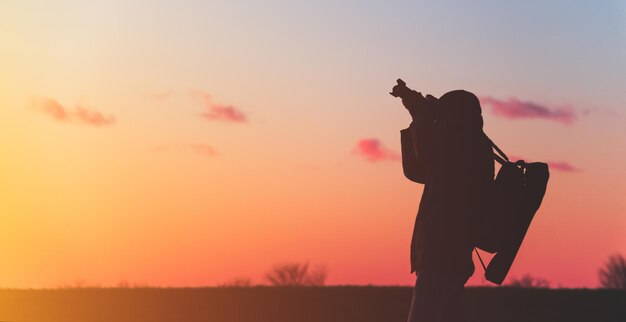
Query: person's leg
point(453, 308)
point(417, 301)
point(426, 298)
point(437, 297)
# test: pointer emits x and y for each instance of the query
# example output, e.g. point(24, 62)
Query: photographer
point(445, 149)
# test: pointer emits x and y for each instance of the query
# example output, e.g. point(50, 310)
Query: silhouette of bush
point(528, 281)
point(613, 274)
point(123, 284)
point(238, 282)
point(126, 284)
point(295, 274)
point(78, 283)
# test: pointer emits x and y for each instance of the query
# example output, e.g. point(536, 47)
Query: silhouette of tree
point(238, 282)
point(79, 283)
point(123, 284)
point(613, 274)
point(528, 281)
point(295, 274)
point(317, 276)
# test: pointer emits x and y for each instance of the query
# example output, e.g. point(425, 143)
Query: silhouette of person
point(445, 149)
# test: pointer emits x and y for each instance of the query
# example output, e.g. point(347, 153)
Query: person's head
point(461, 112)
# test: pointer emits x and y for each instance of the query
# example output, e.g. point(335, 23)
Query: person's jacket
point(457, 171)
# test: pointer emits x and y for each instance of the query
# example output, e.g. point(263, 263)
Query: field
point(292, 304)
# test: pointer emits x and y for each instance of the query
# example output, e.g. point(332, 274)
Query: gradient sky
point(185, 143)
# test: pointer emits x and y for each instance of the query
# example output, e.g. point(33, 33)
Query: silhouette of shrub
point(613, 274)
point(123, 284)
point(528, 281)
point(238, 282)
point(78, 283)
point(295, 274)
point(126, 284)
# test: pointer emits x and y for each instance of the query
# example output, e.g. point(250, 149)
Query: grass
point(294, 304)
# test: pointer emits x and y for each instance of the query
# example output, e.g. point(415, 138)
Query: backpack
point(516, 195)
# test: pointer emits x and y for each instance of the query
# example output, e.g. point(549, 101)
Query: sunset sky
point(186, 143)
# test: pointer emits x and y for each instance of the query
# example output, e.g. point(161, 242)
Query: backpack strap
point(500, 156)
point(481, 260)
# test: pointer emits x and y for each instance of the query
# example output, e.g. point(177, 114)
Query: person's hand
point(415, 103)
point(431, 98)
point(413, 100)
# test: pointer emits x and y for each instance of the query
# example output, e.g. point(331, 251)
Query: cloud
point(198, 148)
point(79, 114)
point(516, 109)
point(52, 108)
point(373, 150)
point(92, 117)
point(203, 149)
point(224, 113)
point(562, 166)
point(219, 112)
point(553, 165)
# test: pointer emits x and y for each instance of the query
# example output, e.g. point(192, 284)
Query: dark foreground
point(261, 304)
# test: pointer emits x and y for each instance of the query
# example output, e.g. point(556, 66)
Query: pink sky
point(186, 146)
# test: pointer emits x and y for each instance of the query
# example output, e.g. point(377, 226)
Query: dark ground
point(270, 304)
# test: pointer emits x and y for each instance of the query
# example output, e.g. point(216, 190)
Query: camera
point(400, 90)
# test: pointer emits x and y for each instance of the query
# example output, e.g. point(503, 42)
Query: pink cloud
point(224, 113)
point(516, 109)
point(79, 114)
point(562, 166)
point(553, 165)
point(203, 149)
point(53, 108)
point(219, 112)
point(92, 117)
point(373, 150)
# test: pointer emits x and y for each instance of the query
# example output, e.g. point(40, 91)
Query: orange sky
point(186, 146)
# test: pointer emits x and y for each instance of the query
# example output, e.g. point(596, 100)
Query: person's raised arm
point(414, 168)
point(418, 140)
